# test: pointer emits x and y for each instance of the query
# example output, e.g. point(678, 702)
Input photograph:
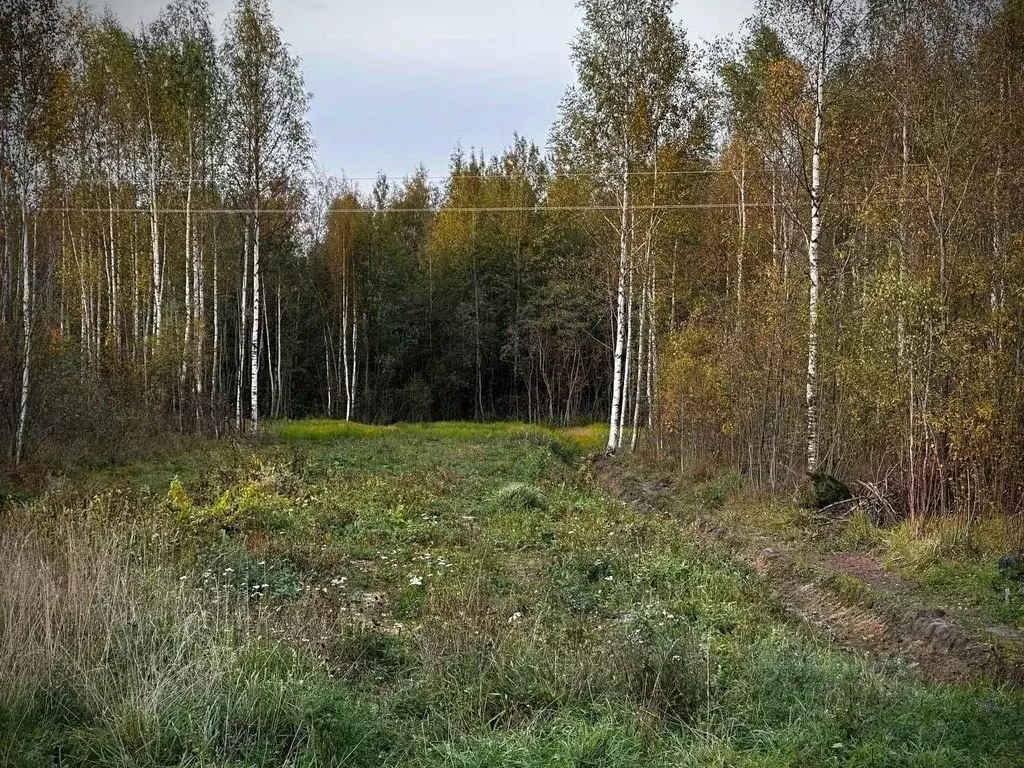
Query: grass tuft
point(519, 497)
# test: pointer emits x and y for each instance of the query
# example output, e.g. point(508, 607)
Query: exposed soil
point(867, 569)
point(890, 622)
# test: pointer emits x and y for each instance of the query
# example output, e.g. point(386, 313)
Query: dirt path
point(882, 615)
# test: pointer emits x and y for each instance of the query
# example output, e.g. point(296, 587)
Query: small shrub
point(178, 498)
point(713, 493)
point(252, 507)
point(859, 531)
point(827, 490)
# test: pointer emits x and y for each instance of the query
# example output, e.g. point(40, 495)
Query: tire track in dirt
point(926, 640)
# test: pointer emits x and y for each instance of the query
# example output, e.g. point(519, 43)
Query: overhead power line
point(445, 209)
point(433, 209)
point(518, 176)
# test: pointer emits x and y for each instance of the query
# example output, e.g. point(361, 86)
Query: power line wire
point(486, 177)
point(442, 209)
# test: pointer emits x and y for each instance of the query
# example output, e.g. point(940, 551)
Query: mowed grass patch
point(427, 595)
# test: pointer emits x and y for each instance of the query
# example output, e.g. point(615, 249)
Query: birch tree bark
point(26, 319)
point(813, 255)
point(254, 343)
point(270, 142)
point(615, 421)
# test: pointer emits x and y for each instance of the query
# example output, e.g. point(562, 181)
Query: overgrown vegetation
point(962, 565)
point(433, 595)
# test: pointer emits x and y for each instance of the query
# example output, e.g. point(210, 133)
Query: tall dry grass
point(121, 659)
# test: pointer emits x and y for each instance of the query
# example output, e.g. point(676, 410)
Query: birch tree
point(183, 33)
point(818, 32)
point(269, 141)
point(631, 66)
point(36, 42)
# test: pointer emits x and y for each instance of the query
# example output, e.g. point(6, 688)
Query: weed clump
point(519, 497)
point(713, 493)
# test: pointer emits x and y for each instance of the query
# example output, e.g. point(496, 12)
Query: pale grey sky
point(396, 83)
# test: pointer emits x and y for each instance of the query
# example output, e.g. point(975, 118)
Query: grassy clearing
point(425, 595)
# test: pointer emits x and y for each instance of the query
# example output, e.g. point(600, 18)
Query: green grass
point(425, 595)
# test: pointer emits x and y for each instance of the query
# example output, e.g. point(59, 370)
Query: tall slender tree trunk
point(641, 361)
point(199, 323)
point(26, 322)
point(6, 292)
point(154, 226)
point(243, 326)
point(186, 349)
point(344, 339)
point(812, 258)
point(254, 373)
point(479, 409)
point(266, 346)
point(626, 371)
point(327, 369)
point(901, 334)
point(741, 247)
point(355, 355)
point(652, 358)
point(277, 401)
point(215, 352)
point(615, 419)
point(115, 279)
point(136, 290)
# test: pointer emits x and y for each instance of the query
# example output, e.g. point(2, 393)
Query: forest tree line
point(797, 249)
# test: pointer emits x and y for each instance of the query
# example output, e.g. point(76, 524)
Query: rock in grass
point(828, 490)
point(519, 497)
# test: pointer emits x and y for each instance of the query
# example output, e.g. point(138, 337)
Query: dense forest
point(801, 248)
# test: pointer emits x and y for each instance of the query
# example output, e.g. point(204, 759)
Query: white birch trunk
point(199, 323)
point(243, 326)
point(277, 400)
point(614, 430)
point(114, 275)
point(254, 372)
point(186, 349)
point(136, 289)
point(741, 183)
point(812, 258)
point(344, 339)
point(154, 235)
point(652, 355)
point(640, 362)
point(355, 357)
point(215, 352)
point(627, 373)
point(26, 321)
